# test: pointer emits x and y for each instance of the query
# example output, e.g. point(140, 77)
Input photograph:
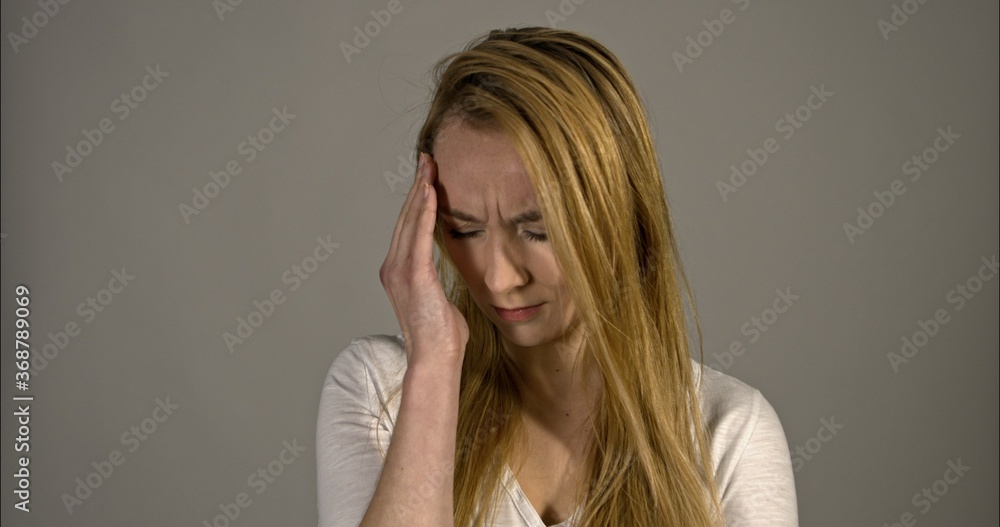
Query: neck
point(555, 390)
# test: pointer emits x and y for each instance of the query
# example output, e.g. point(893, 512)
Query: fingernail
point(427, 190)
point(422, 162)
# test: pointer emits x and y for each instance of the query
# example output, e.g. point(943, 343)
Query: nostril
point(504, 274)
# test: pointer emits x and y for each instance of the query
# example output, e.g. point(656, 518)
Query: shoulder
point(728, 405)
point(738, 418)
point(384, 353)
point(380, 354)
point(753, 471)
point(370, 367)
point(354, 424)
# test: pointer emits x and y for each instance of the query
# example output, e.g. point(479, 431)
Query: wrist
point(432, 370)
point(434, 355)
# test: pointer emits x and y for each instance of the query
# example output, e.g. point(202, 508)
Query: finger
point(423, 248)
point(406, 207)
point(407, 202)
point(408, 231)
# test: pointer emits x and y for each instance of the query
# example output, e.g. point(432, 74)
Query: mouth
point(519, 314)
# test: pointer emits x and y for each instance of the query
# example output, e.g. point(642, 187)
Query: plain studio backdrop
point(197, 197)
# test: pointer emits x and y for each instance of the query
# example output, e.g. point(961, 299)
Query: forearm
point(415, 487)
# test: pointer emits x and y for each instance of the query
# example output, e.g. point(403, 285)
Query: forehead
point(480, 171)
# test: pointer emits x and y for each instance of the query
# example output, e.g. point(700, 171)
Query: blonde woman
point(543, 375)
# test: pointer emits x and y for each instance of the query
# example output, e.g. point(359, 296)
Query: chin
point(523, 339)
point(527, 335)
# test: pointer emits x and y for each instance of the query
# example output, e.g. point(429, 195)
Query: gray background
point(325, 175)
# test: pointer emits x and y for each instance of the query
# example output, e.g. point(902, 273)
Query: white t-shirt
point(753, 470)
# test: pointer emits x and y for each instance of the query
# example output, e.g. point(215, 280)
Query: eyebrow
point(526, 217)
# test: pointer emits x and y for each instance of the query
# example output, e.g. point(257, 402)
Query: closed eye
point(459, 235)
point(456, 234)
point(535, 236)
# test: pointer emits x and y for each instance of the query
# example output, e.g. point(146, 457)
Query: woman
point(543, 375)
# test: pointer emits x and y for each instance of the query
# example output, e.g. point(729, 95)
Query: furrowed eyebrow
point(526, 217)
point(459, 215)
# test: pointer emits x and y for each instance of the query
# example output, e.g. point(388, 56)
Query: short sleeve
point(760, 491)
point(348, 460)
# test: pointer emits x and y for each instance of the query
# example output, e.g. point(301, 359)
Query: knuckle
point(389, 276)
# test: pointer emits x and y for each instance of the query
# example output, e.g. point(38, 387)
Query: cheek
point(464, 260)
point(547, 272)
point(544, 267)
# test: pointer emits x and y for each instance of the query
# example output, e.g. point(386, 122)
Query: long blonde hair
point(575, 117)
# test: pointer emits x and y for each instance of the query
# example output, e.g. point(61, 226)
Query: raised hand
point(434, 330)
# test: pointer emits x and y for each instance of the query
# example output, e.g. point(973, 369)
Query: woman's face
point(495, 235)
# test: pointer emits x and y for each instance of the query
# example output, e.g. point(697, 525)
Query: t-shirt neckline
point(526, 509)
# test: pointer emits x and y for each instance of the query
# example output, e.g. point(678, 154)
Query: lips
point(518, 314)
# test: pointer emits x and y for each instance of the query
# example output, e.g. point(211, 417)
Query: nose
point(505, 271)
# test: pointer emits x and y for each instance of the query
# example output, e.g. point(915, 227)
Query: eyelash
point(535, 237)
point(531, 236)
